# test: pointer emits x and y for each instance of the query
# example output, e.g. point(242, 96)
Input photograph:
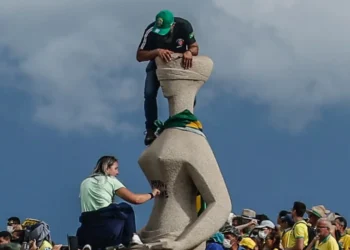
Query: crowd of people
point(31, 234)
point(300, 229)
point(106, 224)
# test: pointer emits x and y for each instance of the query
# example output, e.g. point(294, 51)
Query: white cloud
point(290, 55)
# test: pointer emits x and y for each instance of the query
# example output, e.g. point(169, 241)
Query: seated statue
point(181, 164)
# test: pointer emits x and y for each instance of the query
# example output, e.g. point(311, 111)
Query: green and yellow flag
point(200, 205)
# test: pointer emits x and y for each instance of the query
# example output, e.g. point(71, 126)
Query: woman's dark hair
point(239, 220)
point(283, 213)
point(288, 219)
point(14, 219)
point(258, 242)
point(261, 217)
point(104, 163)
point(342, 222)
point(275, 236)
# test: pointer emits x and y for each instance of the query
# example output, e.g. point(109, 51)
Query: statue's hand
point(168, 245)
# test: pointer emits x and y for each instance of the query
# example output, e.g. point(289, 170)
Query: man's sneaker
point(135, 240)
point(150, 137)
point(87, 247)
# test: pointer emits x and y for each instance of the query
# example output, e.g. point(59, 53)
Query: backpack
point(310, 231)
point(38, 230)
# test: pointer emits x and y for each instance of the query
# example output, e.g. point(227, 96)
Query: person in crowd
point(97, 193)
point(248, 244)
point(259, 243)
point(249, 224)
point(261, 217)
point(299, 237)
point(236, 221)
point(17, 236)
point(324, 240)
point(45, 245)
point(314, 214)
point(163, 37)
point(215, 242)
point(39, 236)
point(232, 238)
point(281, 214)
point(342, 237)
point(6, 243)
point(286, 225)
point(13, 223)
point(248, 217)
point(273, 241)
point(5, 237)
point(265, 227)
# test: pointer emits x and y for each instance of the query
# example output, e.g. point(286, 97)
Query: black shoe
point(150, 137)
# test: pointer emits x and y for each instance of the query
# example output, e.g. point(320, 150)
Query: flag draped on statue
point(200, 205)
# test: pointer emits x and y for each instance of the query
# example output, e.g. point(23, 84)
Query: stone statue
point(180, 163)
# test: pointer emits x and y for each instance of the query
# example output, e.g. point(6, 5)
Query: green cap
point(164, 21)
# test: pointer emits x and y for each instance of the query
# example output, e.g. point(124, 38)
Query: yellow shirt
point(45, 245)
point(299, 231)
point(329, 243)
point(285, 237)
point(344, 242)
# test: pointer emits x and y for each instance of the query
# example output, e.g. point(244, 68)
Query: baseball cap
point(266, 223)
point(230, 230)
point(163, 23)
point(288, 218)
point(247, 243)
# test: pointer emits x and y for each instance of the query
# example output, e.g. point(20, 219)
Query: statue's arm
point(208, 179)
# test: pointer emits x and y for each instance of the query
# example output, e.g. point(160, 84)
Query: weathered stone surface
point(181, 163)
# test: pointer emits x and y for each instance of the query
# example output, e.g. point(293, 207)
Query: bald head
point(323, 227)
point(324, 222)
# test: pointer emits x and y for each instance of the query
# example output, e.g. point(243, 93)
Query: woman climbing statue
point(103, 222)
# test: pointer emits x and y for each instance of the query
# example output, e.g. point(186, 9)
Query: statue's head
point(177, 81)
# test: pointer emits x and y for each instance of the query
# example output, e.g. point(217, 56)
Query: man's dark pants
point(150, 94)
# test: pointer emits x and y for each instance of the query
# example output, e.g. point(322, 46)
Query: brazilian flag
point(200, 205)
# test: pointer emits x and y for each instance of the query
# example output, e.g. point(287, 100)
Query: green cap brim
point(161, 32)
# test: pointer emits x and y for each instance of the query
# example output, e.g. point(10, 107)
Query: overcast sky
point(72, 90)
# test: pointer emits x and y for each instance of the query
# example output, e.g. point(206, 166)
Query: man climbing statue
point(166, 35)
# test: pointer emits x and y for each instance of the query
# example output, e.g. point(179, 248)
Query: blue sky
point(274, 110)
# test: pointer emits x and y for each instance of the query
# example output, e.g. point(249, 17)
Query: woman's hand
point(155, 192)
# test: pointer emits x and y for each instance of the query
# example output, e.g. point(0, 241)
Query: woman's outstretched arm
point(133, 198)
